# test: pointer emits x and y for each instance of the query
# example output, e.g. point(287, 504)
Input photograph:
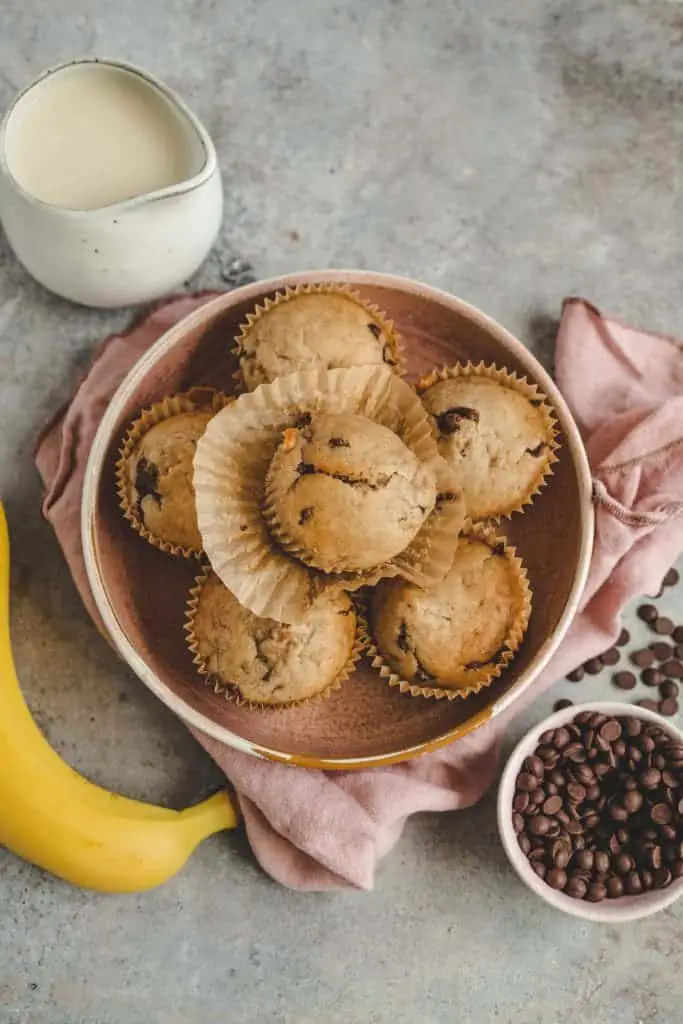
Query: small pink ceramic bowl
point(626, 908)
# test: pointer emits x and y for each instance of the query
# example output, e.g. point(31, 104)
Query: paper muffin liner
point(198, 399)
point(231, 463)
point(326, 288)
point(480, 678)
point(532, 392)
point(231, 693)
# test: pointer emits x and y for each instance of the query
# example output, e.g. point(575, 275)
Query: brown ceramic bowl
point(141, 592)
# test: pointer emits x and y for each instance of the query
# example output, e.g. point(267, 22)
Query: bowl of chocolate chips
point(590, 811)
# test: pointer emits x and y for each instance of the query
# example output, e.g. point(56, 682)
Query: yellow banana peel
point(52, 816)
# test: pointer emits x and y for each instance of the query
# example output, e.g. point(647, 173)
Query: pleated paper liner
point(509, 379)
point(195, 400)
point(477, 678)
point(394, 357)
point(231, 463)
point(231, 693)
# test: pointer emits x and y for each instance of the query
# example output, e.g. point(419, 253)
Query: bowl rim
point(207, 313)
point(608, 911)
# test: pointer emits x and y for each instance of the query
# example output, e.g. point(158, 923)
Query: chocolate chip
point(540, 825)
point(661, 650)
point(649, 705)
point(305, 514)
point(678, 652)
point(624, 637)
point(338, 442)
point(673, 669)
point(651, 676)
point(648, 612)
point(375, 330)
point(520, 802)
point(668, 707)
point(671, 578)
point(669, 689)
point(146, 482)
point(552, 805)
point(560, 705)
point(539, 867)
point(678, 635)
point(624, 680)
point(556, 878)
point(623, 863)
point(449, 421)
point(633, 884)
point(615, 887)
point(643, 658)
point(633, 801)
point(610, 730)
point(661, 814)
point(518, 822)
point(593, 666)
point(577, 675)
point(526, 782)
point(402, 641)
point(576, 887)
point(610, 656)
point(663, 625)
point(534, 766)
point(596, 892)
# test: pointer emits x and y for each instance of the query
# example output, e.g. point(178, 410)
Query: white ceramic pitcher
point(131, 251)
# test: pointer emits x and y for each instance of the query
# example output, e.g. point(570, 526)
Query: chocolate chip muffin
point(459, 634)
point(311, 330)
point(155, 481)
point(497, 438)
point(266, 662)
point(345, 494)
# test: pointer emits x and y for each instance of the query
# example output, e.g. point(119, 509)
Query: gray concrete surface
point(512, 152)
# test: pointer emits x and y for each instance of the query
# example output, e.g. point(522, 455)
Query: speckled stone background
point(511, 152)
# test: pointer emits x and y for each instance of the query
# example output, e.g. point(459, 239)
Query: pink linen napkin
point(324, 830)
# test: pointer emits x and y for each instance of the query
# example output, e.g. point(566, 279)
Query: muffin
point(264, 662)
point(345, 494)
point(460, 634)
point(496, 432)
point(318, 327)
point(155, 470)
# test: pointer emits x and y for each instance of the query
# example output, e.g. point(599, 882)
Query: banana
point(52, 816)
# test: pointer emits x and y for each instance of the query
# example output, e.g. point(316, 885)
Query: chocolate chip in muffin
point(146, 481)
point(449, 421)
point(375, 330)
point(305, 514)
point(538, 450)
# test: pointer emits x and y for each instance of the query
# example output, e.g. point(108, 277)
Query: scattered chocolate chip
point(678, 652)
point(560, 705)
point(593, 666)
point(671, 578)
point(678, 635)
point(577, 675)
point(624, 680)
point(623, 638)
point(668, 707)
point(673, 669)
point(610, 656)
point(651, 676)
point(661, 650)
point(643, 658)
point(663, 625)
point(649, 705)
point(648, 612)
